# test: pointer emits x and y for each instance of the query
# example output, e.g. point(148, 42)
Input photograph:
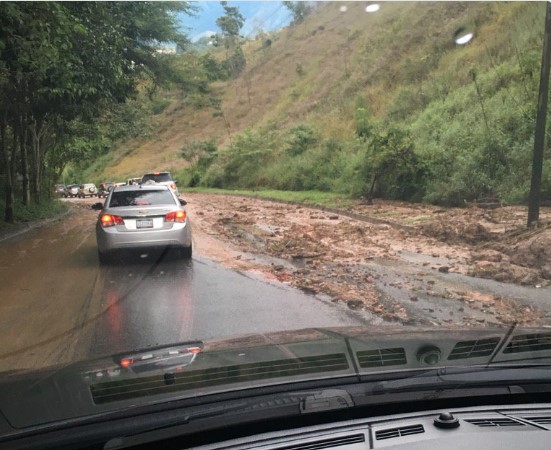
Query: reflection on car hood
point(195, 369)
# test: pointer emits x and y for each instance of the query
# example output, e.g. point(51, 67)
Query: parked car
point(105, 188)
point(87, 190)
point(161, 178)
point(71, 190)
point(145, 216)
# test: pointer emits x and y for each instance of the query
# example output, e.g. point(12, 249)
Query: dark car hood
point(29, 399)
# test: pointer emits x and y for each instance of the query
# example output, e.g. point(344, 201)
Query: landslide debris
point(395, 260)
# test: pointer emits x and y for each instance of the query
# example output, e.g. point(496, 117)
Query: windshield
point(363, 190)
point(136, 198)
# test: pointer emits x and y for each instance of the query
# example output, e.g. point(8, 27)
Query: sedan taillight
point(109, 220)
point(176, 216)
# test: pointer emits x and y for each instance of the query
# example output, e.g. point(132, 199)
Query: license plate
point(144, 223)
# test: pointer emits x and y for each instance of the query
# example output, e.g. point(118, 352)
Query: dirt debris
point(400, 263)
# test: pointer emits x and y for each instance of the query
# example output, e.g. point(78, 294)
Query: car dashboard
point(481, 427)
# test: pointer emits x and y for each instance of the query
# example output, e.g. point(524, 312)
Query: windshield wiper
point(476, 376)
point(304, 402)
point(144, 435)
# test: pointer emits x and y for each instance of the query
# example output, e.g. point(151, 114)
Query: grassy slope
point(348, 60)
point(316, 198)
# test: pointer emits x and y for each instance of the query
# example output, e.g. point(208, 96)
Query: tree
point(391, 164)
point(61, 62)
point(230, 24)
point(299, 10)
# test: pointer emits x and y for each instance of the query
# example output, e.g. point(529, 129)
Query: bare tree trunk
point(8, 209)
point(481, 100)
point(371, 190)
point(15, 144)
point(34, 162)
point(38, 130)
point(26, 198)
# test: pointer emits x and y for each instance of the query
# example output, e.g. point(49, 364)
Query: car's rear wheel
point(186, 252)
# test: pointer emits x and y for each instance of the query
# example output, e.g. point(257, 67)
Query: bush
point(159, 105)
point(242, 163)
point(300, 139)
point(200, 155)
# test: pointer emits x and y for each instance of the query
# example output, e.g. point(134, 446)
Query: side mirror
point(97, 206)
point(175, 181)
point(182, 202)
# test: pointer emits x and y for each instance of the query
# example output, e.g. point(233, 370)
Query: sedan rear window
point(157, 177)
point(139, 198)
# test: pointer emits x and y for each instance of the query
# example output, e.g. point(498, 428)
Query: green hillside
point(355, 103)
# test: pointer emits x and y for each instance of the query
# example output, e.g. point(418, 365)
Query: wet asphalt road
point(57, 305)
point(168, 300)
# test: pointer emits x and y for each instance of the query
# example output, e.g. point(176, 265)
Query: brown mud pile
point(395, 260)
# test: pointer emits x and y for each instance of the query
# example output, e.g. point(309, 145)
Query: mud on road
point(408, 264)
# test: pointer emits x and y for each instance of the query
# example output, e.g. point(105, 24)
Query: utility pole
point(539, 135)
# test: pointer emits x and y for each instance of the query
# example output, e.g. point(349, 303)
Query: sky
point(267, 15)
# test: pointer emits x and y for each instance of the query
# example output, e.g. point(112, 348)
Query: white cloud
point(201, 35)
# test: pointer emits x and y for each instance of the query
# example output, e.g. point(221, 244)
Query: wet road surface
point(162, 302)
point(57, 305)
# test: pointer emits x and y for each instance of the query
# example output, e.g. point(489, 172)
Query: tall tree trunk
point(23, 133)
point(36, 135)
point(8, 209)
point(15, 143)
point(372, 190)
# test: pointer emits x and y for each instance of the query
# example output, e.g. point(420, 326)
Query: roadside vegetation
point(34, 212)
point(71, 75)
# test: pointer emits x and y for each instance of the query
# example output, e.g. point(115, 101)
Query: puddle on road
point(431, 297)
point(420, 258)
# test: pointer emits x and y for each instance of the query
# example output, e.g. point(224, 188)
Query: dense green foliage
point(66, 70)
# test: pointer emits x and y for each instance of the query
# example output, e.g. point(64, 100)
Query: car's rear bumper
point(110, 239)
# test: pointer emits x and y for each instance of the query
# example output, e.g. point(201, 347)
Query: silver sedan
point(142, 217)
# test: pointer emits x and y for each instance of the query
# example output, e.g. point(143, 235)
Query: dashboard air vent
point(327, 443)
point(382, 357)
point(473, 349)
point(397, 432)
point(495, 422)
point(540, 420)
point(124, 389)
point(529, 343)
